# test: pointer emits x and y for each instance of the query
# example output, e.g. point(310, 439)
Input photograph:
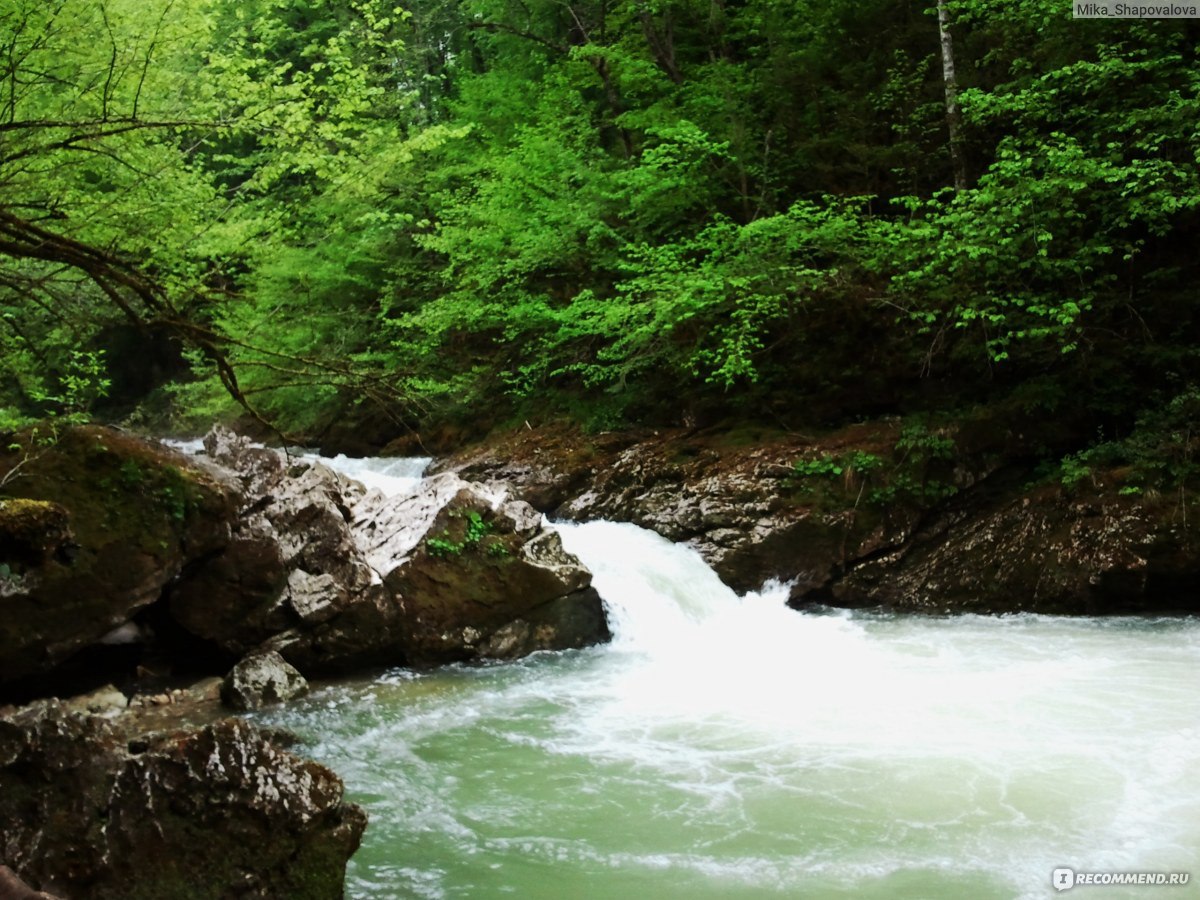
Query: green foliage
point(910, 476)
point(1162, 451)
point(627, 211)
point(820, 467)
point(857, 462)
point(475, 530)
point(1073, 470)
point(79, 385)
point(918, 444)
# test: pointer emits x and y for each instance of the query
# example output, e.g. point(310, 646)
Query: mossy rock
point(31, 532)
point(94, 528)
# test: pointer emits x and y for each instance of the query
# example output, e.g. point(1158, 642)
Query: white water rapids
point(726, 747)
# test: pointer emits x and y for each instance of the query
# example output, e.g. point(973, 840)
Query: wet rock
point(491, 582)
point(369, 580)
point(272, 824)
point(454, 564)
point(292, 561)
point(1049, 550)
point(982, 540)
point(87, 809)
point(234, 599)
point(100, 524)
point(104, 701)
point(261, 679)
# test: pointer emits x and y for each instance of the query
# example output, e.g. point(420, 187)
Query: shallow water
point(726, 747)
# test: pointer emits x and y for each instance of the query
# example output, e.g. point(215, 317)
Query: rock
point(13, 888)
point(208, 813)
point(271, 824)
point(292, 561)
point(314, 598)
point(32, 532)
point(105, 701)
point(727, 495)
point(260, 679)
point(1048, 550)
point(362, 579)
point(100, 523)
point(490, 582)
point(254, 550)
point(234, 599)
point(982, 541)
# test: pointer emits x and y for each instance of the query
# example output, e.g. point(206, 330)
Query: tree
point(953, 113)
point(145, 150)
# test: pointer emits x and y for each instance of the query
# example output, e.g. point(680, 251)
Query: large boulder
point(292, 560)
point(1089, 550)
point(96, 524)
point(89, 810)
point(461, 574)
point(261, 679)
point(336, 578)
point(490, 581)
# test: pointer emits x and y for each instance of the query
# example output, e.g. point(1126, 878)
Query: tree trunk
point(953, 113)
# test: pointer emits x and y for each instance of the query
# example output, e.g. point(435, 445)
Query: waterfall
point(730, 747)
point(392, 476)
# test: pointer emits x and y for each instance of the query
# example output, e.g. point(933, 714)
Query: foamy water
point(730, 747)
point(393, 476)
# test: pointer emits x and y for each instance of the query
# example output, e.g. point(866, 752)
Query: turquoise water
point(726, 747)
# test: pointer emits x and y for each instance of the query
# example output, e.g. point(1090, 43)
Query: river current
point(730, 747)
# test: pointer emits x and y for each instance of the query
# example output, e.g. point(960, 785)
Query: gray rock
point(214, 812)
point(104, 701)
point(314, 598)
point(492, 582)
point(261, 679)
point(360, 579)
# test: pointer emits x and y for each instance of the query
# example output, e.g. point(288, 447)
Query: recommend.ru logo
point(1064, 878)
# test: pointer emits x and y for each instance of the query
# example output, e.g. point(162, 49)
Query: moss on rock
point(92, 530)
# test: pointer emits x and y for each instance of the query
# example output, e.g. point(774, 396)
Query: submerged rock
point(262, 678)
point(87, 809)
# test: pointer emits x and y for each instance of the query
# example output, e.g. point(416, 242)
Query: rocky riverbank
point(926, 519)
point(126, 560)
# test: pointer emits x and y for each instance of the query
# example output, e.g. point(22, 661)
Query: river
point(730, 747)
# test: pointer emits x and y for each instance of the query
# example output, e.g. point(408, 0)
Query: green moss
point(29, 531)
point(473, 532)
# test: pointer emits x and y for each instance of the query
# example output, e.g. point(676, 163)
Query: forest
point(444, 217)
